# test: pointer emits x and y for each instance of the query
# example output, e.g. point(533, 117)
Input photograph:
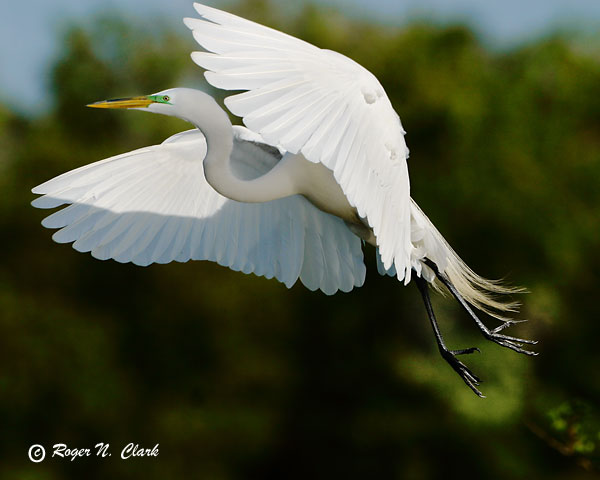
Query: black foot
point(513, 343)
point(465, 373)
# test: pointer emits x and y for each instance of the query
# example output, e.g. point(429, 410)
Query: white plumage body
point(338, 143)
point(321, 168)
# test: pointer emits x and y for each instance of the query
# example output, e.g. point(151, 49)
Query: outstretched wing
point(319, 103)
point(153, 205)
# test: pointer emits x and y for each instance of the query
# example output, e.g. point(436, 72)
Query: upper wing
point(322, 104)
point(154, 205)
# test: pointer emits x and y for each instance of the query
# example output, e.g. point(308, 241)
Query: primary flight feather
point(320, 169)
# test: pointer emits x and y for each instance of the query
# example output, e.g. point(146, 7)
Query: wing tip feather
point(188, 22)
point(37, 202)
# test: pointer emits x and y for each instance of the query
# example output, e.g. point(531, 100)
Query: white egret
point(320, 168)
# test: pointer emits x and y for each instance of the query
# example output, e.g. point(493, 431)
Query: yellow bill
point(131, 102)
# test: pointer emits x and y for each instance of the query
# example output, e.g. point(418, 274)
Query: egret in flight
point(320, 169)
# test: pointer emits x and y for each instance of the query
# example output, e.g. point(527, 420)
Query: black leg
point(494, 335)
point(449, 355)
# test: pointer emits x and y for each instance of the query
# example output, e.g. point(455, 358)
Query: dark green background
point(237, 377)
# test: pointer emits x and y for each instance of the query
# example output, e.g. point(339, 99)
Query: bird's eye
point(166, 98)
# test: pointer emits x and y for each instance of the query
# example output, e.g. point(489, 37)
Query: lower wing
point(153, 205)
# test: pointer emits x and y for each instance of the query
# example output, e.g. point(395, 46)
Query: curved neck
point(214, 123)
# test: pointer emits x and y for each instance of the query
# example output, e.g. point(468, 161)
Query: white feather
point(154, 205)
point(319, 103)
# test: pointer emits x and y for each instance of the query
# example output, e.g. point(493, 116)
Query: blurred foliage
point(237, 377)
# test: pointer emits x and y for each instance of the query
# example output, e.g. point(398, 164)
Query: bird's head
point(193, 106)
point(184, 103)
point(161, 102)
